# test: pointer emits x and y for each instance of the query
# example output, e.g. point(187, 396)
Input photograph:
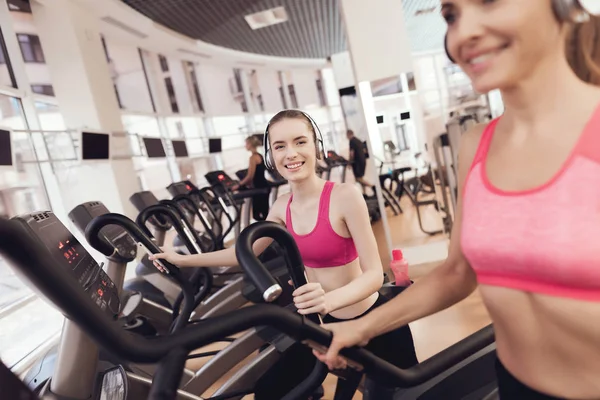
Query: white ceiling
point(314, 30)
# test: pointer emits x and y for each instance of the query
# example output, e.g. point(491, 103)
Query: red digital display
point(221, 177)
point(69, 251)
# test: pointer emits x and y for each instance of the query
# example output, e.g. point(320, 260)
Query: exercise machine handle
point(186, 201)
point(137, 232)
point(257, 272)
point(31, 259)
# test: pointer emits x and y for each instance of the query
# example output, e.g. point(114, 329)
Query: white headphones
point(575, 11)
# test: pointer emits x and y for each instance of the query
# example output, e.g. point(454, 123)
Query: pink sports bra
point(322, 247)
point(544, 240)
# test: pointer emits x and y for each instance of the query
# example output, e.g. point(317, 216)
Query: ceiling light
point(265, 18)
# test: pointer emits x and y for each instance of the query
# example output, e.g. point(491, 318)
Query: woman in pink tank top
point(527, 224)
point(331, 226)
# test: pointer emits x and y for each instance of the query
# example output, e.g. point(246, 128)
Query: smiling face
point(498, 43)
point(292, 142)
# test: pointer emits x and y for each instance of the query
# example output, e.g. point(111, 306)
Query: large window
point(27, 321)
point(7, 77)
point(31, 48)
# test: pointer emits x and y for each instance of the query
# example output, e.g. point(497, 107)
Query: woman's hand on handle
point(170, 256)
point(345, 334)
point(311, 299)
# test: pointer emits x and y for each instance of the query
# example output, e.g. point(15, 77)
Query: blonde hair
point(583, 50)
point(253, 141)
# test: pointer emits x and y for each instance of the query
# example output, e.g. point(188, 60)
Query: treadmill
point(91, 324)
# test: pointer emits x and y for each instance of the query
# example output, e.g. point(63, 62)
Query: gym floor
point(424, 253)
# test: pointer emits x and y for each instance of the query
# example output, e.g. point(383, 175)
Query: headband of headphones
point(318, 139)
point(574, 11)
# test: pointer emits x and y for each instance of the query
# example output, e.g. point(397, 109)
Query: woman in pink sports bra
point(331, 226)
point(527, 226)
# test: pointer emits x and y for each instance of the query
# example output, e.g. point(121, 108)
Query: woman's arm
point(448, 284)
point(251, 171)
point(356, 215)
point(225, 258)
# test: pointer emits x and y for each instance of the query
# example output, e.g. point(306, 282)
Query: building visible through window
point(164, 65)
point(171, 93)
point(47, 90)
point(261, 103)
point(282, 95)
point(293, 99)
point(193, 82)
point(31, 48)
point(322, 100)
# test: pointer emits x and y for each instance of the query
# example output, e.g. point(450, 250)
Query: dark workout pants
point(297, 362)
point(511, 388)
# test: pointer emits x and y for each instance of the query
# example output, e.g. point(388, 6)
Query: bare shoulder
point(346, 195)
point(279, 207)
point(469, 143)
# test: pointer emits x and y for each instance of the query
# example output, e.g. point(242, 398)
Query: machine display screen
point(154, 148)
point(63, 246)
point(214, 145)
point(95, 146)
point(5, 149)
point(68, 252)
point(180, 148)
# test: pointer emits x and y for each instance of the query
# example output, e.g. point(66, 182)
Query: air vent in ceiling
point(194, 53)
point(266, 18)
point(251, 64)
point(124, 27)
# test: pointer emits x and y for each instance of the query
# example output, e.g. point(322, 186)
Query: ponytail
point(583, 50)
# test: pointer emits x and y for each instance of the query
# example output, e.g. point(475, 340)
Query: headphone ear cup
point(574, 11)
point(271, 165)
point(562, 9)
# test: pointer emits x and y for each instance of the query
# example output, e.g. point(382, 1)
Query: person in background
point(255, 179)
point(358, 159)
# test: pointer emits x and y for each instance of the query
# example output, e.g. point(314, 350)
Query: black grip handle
point(219, 199)
point(255, 269)
point(93, 229)
point(172, 214)
point(188, 202)
point(31, 259)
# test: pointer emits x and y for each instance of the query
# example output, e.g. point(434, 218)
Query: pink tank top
point(322, 247)
point(544, 240)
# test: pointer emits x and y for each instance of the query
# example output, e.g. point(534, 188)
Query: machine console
point(220, 177)
point(183, 187)
point(145, 199)
point(73, 258)
point(114, 235)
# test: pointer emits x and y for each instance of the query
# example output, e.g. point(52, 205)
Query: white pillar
point(70, 38)
point(248, 99)
point(378, 48)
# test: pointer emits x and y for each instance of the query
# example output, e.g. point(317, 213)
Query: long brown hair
point(583, 50)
